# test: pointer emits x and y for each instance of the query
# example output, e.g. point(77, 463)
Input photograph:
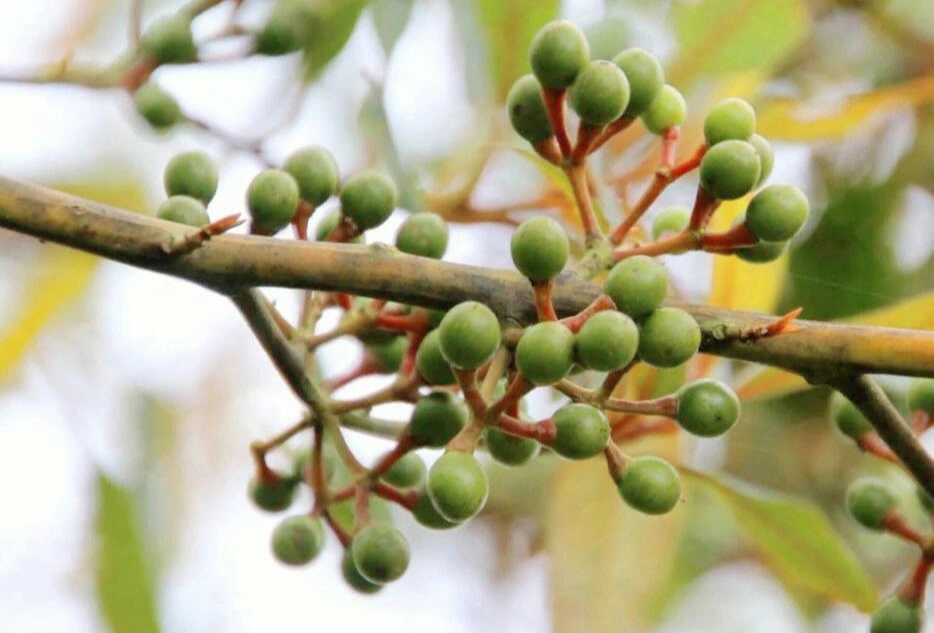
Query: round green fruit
point(272, 496)
point(730, 169)
point(315, 173)
point(558, 53)
point(921, 395)
point(272, 198)
point(762, 252)
point(729, 119)
point(509, 449)
point(353, 577)
point(581, 431)
point(668, 337)
point(527, 112)
point(539, 248)
point(407, 472)
point(424, 234)
point(645, 77)
point(426, 514)
point(707, 408)
point(389, 353)
point(437, 418)
point(368, 198)
point(297, 540)
point(158, 107)
point(169, 40)
point(191, 174)
point(183, 209)
point(869, 501)
point(429, 362)
point(457, 486)
point(666, 110)
point(328, 223)
point(545, 352)
point(776, 213)
point(380, 553)
point(291, 24)
point(637, 285)
point(672, 220)
point(897, 616)
point(607, 341)
point(600, 93)
point(469, 335)
point(766, 156)
point(650, 485)
point(849, 419)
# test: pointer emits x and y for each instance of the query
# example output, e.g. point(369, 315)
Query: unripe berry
point(424, 234)
point(457, 486)
point(469, 335)
point(545, 352)
point(272, 198)
point(581, 431)
point(527, 111)
point(707, 408)
point(509, 449)
point(539, 248)
point(191, 174)
point(921, 395)
point(407, 472)
point(848, 418)
point(766, 156)
point(600, 93)
point(297, 540)
point(776, 213)
point(607, 341)
point(868, 501)
point(389, 353)
point(183, 209)
point(665, 110)
point(353, 577)
point(729, 119)
point(290, 25)
point(272, 496)
point(157, 106)
point(645, 77)
point(328, 223)
point(762, 252)
point(637, 285)
point(896, 616)
point(169, 40)
point(315, 173)
point(668, 337)
point(730, 169)
point(557, 53)
point(368, 198)
point(672, 220)
point(650, 484)
point(437, 418)
point(426, 514)
point(430, 363)
point(380, 553)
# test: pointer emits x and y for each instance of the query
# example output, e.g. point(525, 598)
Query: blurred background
point(128, 400)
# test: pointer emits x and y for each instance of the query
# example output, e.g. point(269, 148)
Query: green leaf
point(338, 19)
point(124, 580)
point(797, 541)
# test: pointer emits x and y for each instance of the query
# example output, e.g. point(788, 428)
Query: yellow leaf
point(916, 312)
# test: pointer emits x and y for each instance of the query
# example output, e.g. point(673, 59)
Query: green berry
point(380, 553)
point(353, 577)
point(868, 501)
point(557, 53)
point(607, 341)
point(430, 363)
point(157, 106)
point(368, 198)
point(470, 335)
point(297, 539)
point(896, 616)
point(926, 500)
point(437, 418)
point(921, 395)
point(545, 352)
point(291, 24)
point(849, 419)
point(707, 408)
point(645, 77)
point(509, 449)
point(426, 514)
point(169, 40)
point(600, 93)
point(730, 169)
point(272, 198)
point(668, 337)
point(315, 173)
point(762, 252)
point(434, 316)
point(637, 285)
point(672, 220)
point(539, 248)
point(667, 109)
point(581, 431)
point(191, 174)
point(729, 119)
point(183, 209)
point(766, 156)
point(527, 111)
point(424, 234)
point(650, 485)
point(457, 486)
point(389, 353)
point(272, 496)
point(407, 472)
point(776, 213)
point(328, 223)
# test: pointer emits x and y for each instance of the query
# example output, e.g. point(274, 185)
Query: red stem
point(543, 431)
point(576, 322)
point(406, 499)
point(587, 135)
point(543, 304)
point(610, 131)
point(554, 105)
point(704, 206)
point(912, 592)
point(670, 145)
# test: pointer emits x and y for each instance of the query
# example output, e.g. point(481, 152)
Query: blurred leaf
point(797, 541)
point(124, 580)
point(790, 120)
point(390, 17)
point(769, 382)
point(916, 312)
point(608, 36)
point(338, 19)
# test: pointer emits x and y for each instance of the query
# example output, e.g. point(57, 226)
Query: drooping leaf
point(338, 19)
